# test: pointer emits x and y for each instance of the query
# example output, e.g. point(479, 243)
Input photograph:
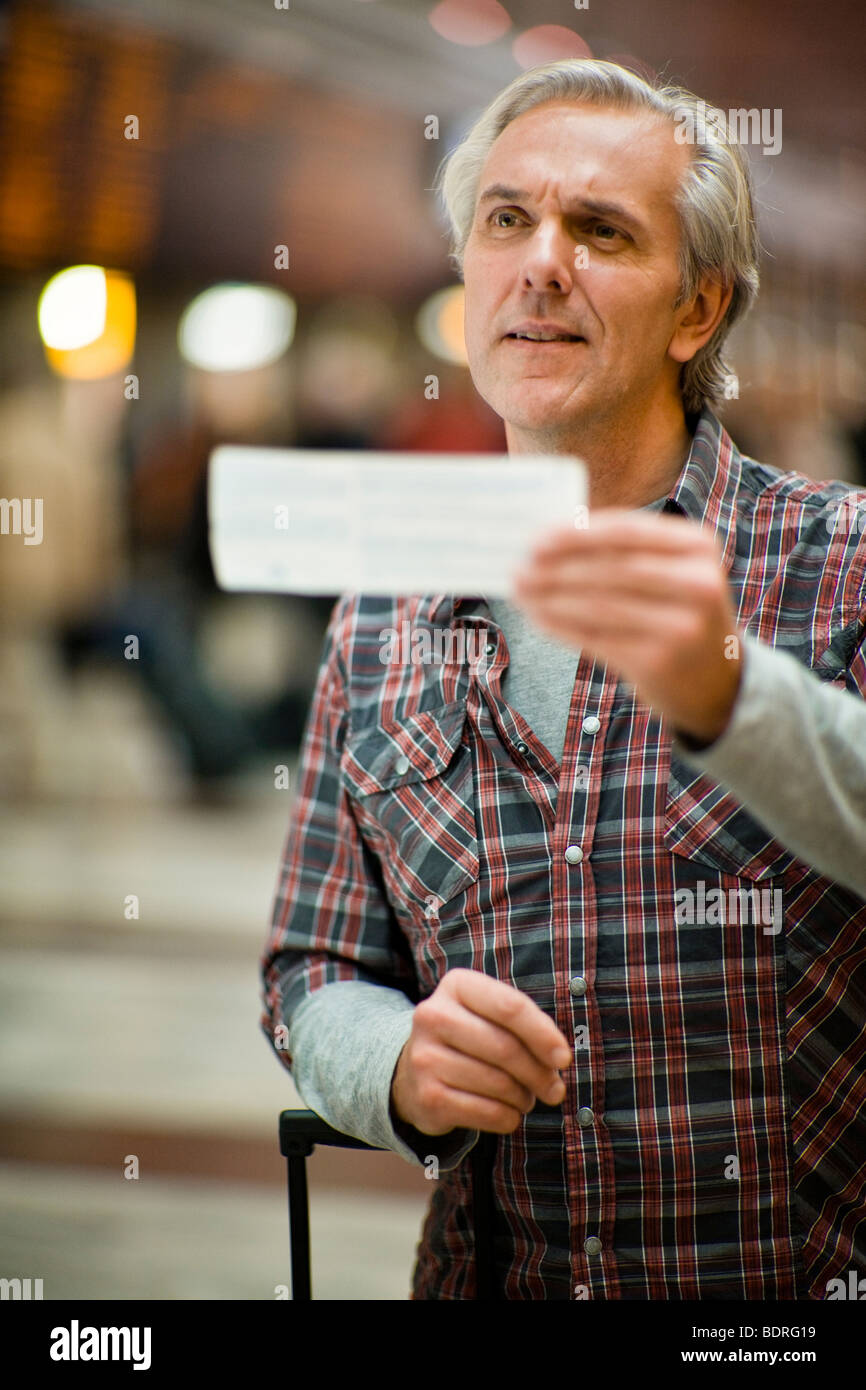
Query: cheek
point(636, 331)
point(475, 316)
point(471, 337)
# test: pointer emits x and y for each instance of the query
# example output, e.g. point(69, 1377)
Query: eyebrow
point(597, 209)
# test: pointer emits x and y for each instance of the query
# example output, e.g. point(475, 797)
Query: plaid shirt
point(712, 1142)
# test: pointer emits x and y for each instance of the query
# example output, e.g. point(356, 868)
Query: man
point(504, 869)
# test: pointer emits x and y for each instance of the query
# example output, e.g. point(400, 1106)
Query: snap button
point(591, 724)
point(585, 1116)
point(574, 854)
point(401, 766)
point(577, 986)
point(522, 747)
point(592, 1245)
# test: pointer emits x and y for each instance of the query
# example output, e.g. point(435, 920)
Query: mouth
point(544, 339)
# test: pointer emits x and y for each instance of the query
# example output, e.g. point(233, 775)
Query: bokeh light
point(234, 327)
point(72, 307)
point(548, 43)
point(439, 324)
point(470, 22)
point(87, 320)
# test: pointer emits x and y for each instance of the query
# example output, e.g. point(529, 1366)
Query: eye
point(501, 212)
point(603, 228)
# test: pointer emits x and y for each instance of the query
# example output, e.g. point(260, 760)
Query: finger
point(632, 577)
point(468, 1111)
point(512, 1010)
point(634, 558)
point(579, 621)
point(486, 1042)
point(622, 531)
point(480, 1078)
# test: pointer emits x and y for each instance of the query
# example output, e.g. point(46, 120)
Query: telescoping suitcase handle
point(302, 1130)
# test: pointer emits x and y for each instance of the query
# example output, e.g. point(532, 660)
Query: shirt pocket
point(412, 787)
point(705, 823)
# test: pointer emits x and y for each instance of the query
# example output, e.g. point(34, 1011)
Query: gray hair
point(715, 202)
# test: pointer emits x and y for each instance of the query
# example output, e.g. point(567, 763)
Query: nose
point(550, 259)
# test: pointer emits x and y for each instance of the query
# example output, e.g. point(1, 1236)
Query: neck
point(630, 461)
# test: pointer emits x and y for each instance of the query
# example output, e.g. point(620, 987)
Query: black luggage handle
point(302, 1130)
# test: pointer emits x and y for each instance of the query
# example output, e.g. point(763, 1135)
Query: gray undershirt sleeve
point(345, 1039)
point(794, 753)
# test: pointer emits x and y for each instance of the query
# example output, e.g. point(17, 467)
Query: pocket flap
point(706, 823)
point(398, 753)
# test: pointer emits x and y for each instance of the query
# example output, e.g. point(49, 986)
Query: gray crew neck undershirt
point(541, 672)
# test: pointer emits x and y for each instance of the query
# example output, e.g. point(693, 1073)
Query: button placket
point(577, 987)
point(590, 1138)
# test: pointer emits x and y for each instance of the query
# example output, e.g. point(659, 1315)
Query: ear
point(698, 320)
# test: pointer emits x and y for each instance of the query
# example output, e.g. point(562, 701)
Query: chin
point(538, 410)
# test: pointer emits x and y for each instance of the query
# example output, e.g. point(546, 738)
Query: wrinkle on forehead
point(649, 162)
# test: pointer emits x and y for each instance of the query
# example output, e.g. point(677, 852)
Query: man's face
point(560, 178)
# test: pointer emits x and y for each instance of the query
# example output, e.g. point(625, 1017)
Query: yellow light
point(72, 307)
point(439, 324)
point(87, 319)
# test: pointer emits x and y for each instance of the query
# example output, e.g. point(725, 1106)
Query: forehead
point(571, 150)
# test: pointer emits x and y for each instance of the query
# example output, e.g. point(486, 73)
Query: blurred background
point(216, 226)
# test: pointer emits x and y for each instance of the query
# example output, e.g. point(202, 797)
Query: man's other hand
point(479, 1056)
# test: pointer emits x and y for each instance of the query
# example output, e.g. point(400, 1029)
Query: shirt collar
point(705, 491)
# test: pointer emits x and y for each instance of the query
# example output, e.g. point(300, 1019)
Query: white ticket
point(328, 521)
